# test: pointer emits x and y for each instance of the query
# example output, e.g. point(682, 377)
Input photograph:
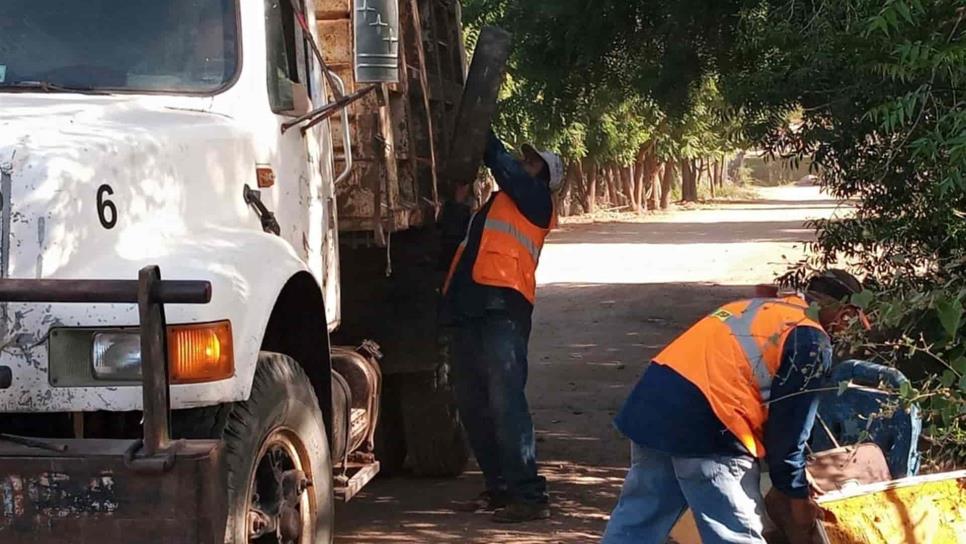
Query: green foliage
point(920, 332)
point(880, 91)
point(619, 131)
point(863, 300)
point(880, 87)
point(584, 82)
point(876, 91)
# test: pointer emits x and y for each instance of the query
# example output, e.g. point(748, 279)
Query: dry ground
point(611, 294)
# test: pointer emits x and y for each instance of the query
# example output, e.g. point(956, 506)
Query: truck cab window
point(287, 60)
point(175, 46)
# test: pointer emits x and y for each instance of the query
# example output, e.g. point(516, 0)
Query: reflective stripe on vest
point(507, 228)
point(509, 250)
point(740, 327)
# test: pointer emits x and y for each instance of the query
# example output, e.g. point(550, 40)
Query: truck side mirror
point(376, 25)
point(300, 99)
point(294, 98)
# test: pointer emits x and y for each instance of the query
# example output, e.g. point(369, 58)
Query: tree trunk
point(650, 181)
point(689, 188)
point(654, 187)
point(734, 169)
point(666, 182)
point(640, 174)
point(604, 189)
point(564, 196)
point(605, 196)
point(613, 188)
point(646, 184)
point(630, 187)
point(711, 180)
point(696, 169)
point(709, 171)
point(700, 171)
point(580, 187)
point(591, 177)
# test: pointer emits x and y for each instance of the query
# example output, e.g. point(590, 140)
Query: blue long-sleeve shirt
point(532, 197)
point(668, 413)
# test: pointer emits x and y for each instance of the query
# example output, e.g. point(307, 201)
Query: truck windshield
point(176, 46)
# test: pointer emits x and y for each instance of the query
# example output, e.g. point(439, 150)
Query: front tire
point(267, 439)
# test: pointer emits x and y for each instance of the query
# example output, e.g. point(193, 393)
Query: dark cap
point(834, 283)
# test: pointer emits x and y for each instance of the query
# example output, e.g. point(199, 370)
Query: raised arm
point(532, 196)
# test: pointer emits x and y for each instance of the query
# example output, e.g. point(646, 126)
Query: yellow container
point(920, 510)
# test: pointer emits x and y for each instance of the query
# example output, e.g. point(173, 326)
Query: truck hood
point(96, 187)
point(87, 176)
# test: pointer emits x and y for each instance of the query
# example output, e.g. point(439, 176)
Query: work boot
point(487, 501)
point(518, 512)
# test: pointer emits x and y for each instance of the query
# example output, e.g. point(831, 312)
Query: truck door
point(304, 160)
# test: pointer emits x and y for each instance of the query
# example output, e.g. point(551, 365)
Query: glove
point(794, 519)
point(803, 526)
point(804, 511)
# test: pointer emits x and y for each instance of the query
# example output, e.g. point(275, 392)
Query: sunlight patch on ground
point(738, 264)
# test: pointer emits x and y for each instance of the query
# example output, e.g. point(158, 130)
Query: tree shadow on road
point(685, 233)
point(590, 343)
point(422, 511)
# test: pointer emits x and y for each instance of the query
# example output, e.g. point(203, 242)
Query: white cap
point(554, 164)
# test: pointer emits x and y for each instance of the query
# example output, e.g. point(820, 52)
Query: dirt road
point(611, 294)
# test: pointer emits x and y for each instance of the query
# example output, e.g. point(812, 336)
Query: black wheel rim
point(279, 509)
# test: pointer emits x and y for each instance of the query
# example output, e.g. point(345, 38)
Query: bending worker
point(489, 296)
point(736, 387)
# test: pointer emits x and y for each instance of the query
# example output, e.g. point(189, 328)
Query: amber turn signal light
point(265, 176)
point(200, 352)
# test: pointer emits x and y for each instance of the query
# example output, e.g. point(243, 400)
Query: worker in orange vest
point(736, 388)
point(488, 296)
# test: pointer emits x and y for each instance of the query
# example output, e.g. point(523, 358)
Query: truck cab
point(149, 149)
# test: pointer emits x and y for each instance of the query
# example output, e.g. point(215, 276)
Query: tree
point(879, 87)
point(876, 92)
point(584, 82)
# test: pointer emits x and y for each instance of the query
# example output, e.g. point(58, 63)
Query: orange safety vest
point(509, 249)
point(732, 356)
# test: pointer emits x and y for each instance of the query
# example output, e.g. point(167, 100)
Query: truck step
point(354, 478)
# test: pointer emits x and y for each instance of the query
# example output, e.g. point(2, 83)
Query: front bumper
point(88, 491)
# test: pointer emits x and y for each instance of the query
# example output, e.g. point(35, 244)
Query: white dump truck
point(171, 178)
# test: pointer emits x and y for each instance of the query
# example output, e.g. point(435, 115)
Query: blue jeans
point(490, 377)
point(722, 491)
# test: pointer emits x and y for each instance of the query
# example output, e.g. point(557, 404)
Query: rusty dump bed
point(89, 493)
point(400, 133)
point(921, 510)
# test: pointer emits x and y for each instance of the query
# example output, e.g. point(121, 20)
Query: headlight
point(196, 353)
point(116, 356)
